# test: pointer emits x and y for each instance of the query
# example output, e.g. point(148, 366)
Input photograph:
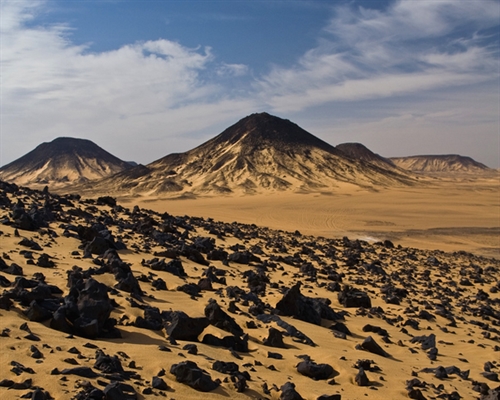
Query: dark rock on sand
point(369, 344)
point(307, 309)
point(315, 371)
point(229, 342)
point(288, 392)
point(183, 327)
point(220, 319)
point(351, 297)
point(189, 373)
point(84, 372)
point(361, 379)
point(159, 383)
point(275, 339)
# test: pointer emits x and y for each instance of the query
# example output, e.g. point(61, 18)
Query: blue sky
point(147, 78)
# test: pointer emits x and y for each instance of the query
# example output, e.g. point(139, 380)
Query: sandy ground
point(454, 215)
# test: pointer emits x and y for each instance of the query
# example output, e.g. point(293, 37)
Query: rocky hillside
point(105, 302)
point(260, 153)
point(62, 162)
point(359, 151)
point(440, 163)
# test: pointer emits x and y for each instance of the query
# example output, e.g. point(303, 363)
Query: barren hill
point(439, 163)
point(359, 151)
point(61, 162)
point(260, 153)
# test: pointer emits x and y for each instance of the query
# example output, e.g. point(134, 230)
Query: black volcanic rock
point(427, 342)
point(295, 304)
point(275, 339)
point(429, 280)
point(189, 373)
point(288, 392)
point(351, 297)
point(315, 371)
point(183, 327)
point(361, 379)
point(369, 344)
point(86, 311)
point(229, 342)
point(219, 318)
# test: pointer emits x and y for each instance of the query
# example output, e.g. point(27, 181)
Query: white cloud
point(412, 46)
point(51, 87)
point(232, 70)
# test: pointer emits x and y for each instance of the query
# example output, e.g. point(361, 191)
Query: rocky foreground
point(105, 302)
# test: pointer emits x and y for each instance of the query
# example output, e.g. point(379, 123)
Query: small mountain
point(358, 151)
point(440, 164)
point(260, 153)
point(61, 162)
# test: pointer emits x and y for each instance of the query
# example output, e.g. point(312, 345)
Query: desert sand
point(420, 299)
point(450, 213)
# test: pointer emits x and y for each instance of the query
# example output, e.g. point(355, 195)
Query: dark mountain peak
point(64, 147)
point(66, 140)
point(261, 130)
point(354, 149)
point(359, 151)
point(62, 160)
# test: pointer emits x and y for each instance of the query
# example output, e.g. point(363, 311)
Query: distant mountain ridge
point(259, 153)
point(439, 163)
point(61, 162)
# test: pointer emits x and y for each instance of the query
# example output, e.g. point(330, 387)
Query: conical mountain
point(61, 162)
point(260, 153)
point(440, 163)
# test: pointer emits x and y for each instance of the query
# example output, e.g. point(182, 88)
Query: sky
point(146, 78)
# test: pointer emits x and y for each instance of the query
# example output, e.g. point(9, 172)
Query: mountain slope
point(260, 153)
point(61, 162)
point(439, 163)
point(358, 151)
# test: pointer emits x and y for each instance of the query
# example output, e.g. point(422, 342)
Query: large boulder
point(288, 392)
point(189, 373)
point(86, 310)
point(369, 344)
point(294, 304)
point(229, 342)
point(94, 308)
point(315, 371)
point(351, 297)
point(275, 339)
point(219, 318)
point(183, 327)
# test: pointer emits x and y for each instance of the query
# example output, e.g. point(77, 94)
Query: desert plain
point(449, 212)
point(353, 294)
